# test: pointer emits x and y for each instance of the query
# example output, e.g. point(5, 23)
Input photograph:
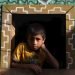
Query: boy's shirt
point(23, 55)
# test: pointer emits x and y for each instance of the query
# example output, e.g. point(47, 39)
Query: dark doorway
point(55, 27)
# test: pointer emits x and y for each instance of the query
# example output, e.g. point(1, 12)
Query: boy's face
point(35, 42)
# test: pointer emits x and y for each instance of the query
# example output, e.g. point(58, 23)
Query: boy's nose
point(35, 42)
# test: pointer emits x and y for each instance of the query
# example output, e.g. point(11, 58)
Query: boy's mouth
point(34, 47)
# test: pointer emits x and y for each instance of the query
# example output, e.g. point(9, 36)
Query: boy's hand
point(37, 69)
point(51, 59)
point(43, 46)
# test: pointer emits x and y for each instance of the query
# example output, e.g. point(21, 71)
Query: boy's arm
point(51, 58)
point(18, 65)
point(16, 56)
point(35, 68)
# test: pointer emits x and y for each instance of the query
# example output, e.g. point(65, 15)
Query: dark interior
point(55, 27)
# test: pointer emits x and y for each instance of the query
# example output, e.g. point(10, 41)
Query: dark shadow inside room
point(55, 27)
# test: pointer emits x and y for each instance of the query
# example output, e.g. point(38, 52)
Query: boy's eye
point(34, 38)
point(37, 39)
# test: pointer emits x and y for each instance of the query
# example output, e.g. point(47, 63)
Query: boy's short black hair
point(36, 28)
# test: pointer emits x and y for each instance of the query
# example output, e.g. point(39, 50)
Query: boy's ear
point(43, 40)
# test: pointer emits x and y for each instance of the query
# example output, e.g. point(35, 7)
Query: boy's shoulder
point(22, 44)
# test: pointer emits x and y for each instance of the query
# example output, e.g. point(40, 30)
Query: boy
point(33, 54)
